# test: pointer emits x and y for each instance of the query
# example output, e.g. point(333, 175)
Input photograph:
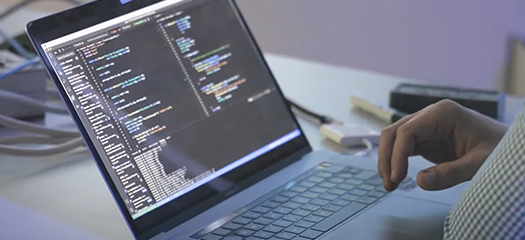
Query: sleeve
point(493, 206)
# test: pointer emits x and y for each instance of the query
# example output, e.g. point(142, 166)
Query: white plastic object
point(349, 135)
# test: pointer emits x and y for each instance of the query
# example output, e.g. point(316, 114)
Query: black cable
point(322, 119)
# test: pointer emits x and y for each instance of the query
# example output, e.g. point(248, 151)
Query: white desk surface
point(70, 189)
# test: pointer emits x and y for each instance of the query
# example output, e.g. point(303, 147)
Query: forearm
point(493, 205)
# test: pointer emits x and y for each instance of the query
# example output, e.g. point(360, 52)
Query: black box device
point(410, 98)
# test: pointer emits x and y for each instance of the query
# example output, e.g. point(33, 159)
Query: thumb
point(449, 174)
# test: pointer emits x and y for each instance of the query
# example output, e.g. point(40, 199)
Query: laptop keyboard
point(304, 208)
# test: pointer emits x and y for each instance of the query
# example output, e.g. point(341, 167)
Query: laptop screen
point(173, 96)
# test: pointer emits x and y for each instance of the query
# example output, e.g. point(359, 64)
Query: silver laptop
point(193, 136)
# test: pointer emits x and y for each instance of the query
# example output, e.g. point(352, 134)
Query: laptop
point(193, 136)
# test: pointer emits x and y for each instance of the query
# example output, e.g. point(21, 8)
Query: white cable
point(368, 150)
point(48, 151)
point(23, 126)
point(9, 97)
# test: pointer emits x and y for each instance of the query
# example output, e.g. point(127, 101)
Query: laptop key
point(324, 174)
point(328, 196)
point(291, 205)
point(322, 213)
point(289, 194)
point(311, 234)
point(316, 179)
point(340, 202)
point(365, 175)
point(375, 181)
point(264, 221)
point(300, 238)
point(271, 204)
point(327, 185)
point(376, 194)
point(334, 168)
point(310, 195)
point(292, 218)
point(352, 170)
point(345, 175)
point(313, 218)
point(221, 232)
point(304, 224)
point(307, 184)
point(301, 200)
point(261, 210)
point(233, 238)
point(338, 217)
point(252, 215)
point(357, 192)
point(301, 212)
point(349, 197)
point(273, 216)
point(295, 229)
point(244, 233)
point(211, 237)
point(273, 229)
point(241, 220)
point(354, 181)
point(319, 189)
point(320, 202)
point(254, 227)
point(298, 189)
point(366, 200)
point(346, 186)
point(336, 180)
point(263, 234)
point(282, 223)
point(285, 235)
point(310, 207)
point(282, 210)
point(366, 187)
point(337, 191)
point(381, 189)
point(331, 207)
point(281, 199)
point(232, 226)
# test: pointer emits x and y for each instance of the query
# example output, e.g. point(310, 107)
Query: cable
point(30, 139)
point(313, 117)
point(48, 151)
point(329, 127)
point(16, 45)
point(367, 151)
point(10, 97)
point(24, 3)
point(23, 126)
point(19, 68)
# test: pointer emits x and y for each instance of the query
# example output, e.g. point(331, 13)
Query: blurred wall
point(454, 42)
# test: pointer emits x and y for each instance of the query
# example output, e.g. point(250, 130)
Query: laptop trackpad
point(396, 218)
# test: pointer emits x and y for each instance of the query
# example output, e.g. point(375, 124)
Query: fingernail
point(429, 177)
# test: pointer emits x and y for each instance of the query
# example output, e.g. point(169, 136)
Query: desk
point(70, 189)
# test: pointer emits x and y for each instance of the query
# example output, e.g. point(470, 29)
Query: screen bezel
point(168, 216)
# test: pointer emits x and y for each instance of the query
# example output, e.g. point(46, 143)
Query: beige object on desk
point(512, 79)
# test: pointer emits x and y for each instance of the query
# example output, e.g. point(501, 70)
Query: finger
point(449, 174)
point(421, 127)
point(386, 144)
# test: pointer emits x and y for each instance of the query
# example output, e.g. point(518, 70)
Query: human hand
point(457, 139)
